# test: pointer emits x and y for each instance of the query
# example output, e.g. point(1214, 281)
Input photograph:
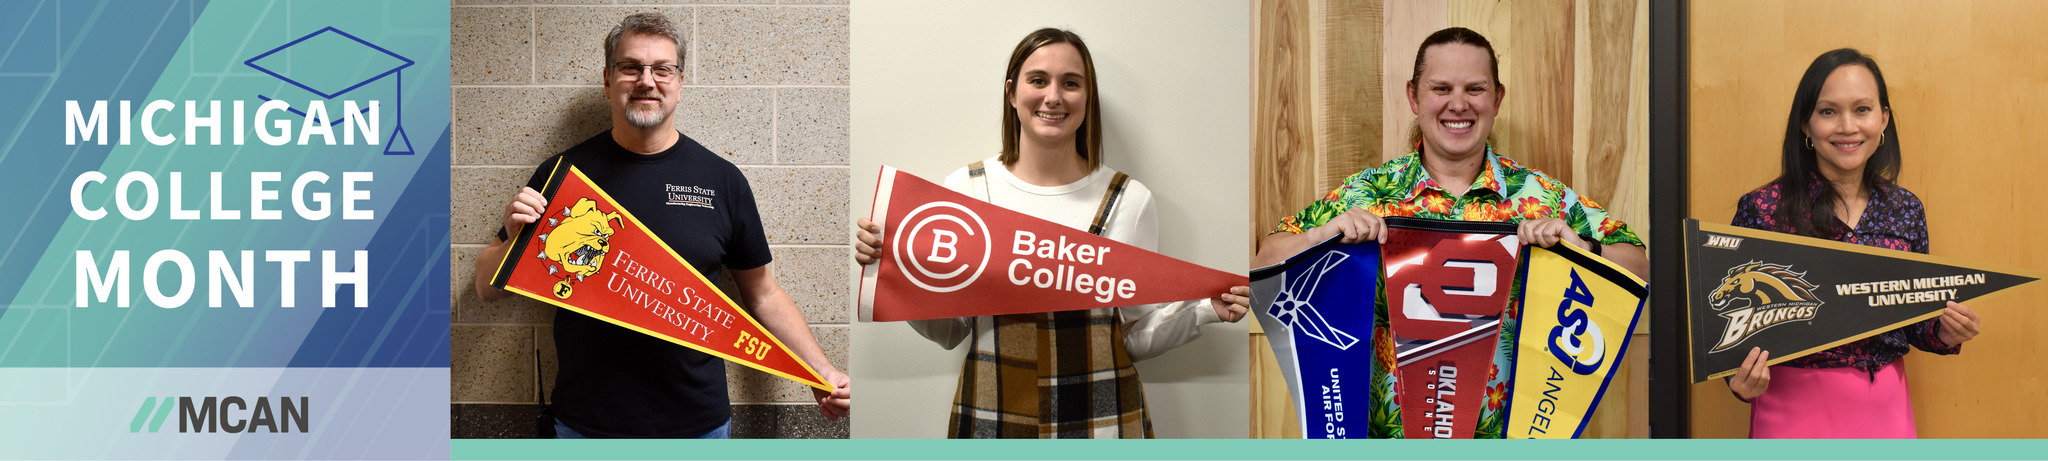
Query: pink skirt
point(1833, 403)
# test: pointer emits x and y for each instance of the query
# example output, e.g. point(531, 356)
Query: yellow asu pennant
point(591, 256)
point(1577, 315)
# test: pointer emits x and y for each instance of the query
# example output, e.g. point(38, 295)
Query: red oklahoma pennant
point(950, 255)
point(1447, 286)
point(588, 255)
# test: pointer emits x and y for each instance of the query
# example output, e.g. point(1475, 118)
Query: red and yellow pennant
point(591, 256)
point(949, 255)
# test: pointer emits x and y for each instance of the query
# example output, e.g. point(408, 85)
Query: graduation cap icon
point(331, 63)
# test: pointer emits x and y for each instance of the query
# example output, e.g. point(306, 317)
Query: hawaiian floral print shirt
point(1893, 220)
point(1504, 192)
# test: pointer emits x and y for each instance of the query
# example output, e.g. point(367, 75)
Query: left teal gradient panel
point(124, 243)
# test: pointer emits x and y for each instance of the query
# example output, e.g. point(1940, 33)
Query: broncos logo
point(1776, 296)
point(578, 239)
point(1763, 284)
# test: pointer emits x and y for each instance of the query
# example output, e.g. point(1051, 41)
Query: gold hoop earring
point(1809, 143)
point(1880, 140)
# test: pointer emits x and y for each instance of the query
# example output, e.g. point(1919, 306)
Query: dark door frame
point(1669, 386)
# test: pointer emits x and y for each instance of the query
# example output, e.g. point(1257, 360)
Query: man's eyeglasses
point(633, 69)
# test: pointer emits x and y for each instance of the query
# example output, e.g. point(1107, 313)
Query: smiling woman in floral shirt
point(1453, 174)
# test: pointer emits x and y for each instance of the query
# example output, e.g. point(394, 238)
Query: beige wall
point(1329, 79)
point(1172, 77)
point(766, 87)
point(1966, 86)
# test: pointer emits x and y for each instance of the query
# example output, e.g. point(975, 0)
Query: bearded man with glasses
point(615, 382)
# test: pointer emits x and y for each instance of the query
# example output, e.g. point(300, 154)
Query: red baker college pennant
point(949, 255)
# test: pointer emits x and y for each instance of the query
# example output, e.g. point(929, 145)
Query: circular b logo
point(940, 251)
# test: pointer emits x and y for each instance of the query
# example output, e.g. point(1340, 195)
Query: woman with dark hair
point(1840, 166)
point(1051, 168)
point(1454, 174)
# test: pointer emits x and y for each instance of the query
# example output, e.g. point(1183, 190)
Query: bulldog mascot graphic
point(574, 241)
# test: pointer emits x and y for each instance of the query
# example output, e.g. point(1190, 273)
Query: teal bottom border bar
point(1435, 450)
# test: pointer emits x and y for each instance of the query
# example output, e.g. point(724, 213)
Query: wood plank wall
point(1967, 86)
point(1283, 150)
point(1329, 100)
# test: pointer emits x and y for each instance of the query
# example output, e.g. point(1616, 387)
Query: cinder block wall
point(765, 86)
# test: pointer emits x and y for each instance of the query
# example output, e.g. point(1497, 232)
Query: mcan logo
point(1576, 340)
point(230, 414)
point(942, 251)
point(1772, 294)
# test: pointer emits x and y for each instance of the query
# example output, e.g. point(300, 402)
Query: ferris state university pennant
point(1577, 313)
point(1317, 310)
point(591, 256)
point(1794, 296)
point(1447, 297)
point(950, 255)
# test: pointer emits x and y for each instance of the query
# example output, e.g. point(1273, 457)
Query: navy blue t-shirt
point(615, 382)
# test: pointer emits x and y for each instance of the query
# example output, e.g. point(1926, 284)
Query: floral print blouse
point(1893, 220)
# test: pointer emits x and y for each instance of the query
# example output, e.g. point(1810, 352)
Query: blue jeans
point(723, 431)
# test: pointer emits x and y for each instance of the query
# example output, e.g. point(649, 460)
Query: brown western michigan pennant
point(590, 256)
point(1795, 296)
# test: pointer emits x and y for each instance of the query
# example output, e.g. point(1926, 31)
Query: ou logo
point(1584, 356)
point(1459, 281)
point(940, 251)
